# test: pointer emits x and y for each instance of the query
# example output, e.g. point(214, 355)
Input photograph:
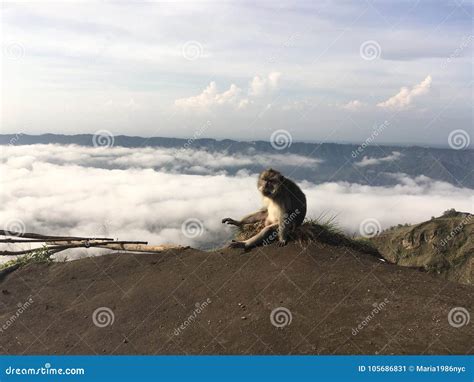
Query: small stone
point(243, 318)
point(125, 341)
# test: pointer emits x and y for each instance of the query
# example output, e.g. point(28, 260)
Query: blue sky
point(323, 71)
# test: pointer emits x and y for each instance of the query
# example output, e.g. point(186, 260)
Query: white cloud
point(259, 87)
point(62, 190)
point(354, 105)
point(368, 161)
point(405, 96)
point(262, 86)
point(211, 97)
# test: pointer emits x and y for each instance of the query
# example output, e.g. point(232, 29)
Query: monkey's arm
point(249, 219)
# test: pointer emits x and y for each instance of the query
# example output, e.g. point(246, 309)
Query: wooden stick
point(38, 236)
point(62, 246)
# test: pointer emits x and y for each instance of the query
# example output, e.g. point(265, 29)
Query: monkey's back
point(294, 201)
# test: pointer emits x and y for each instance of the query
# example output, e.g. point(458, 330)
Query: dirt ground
point(324, 299)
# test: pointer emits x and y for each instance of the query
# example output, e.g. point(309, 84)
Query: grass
point(323, 229)
point(40, 255)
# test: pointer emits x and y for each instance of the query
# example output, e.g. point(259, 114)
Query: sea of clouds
point(159, 194)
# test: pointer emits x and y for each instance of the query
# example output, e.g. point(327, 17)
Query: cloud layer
point(86, 193)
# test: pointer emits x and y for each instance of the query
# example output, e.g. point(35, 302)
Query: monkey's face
point(269, 182)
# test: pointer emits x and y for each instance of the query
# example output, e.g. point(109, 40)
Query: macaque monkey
point(284, 210)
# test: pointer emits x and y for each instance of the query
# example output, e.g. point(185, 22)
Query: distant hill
point(372, 165)
point(443, 245)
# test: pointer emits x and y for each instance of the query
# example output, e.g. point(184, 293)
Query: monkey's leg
point(249, 219)
point(267, 234)
point(284, 229)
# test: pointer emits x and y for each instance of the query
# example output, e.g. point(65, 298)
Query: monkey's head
point(269, 182)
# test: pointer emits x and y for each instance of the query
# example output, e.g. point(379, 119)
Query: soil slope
point(340, 301)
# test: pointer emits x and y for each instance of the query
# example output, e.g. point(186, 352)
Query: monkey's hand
point(230, 221)
point(237, 244)
point(282, 243)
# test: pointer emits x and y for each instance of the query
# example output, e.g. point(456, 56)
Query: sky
point(326, 71)
point(115, 192)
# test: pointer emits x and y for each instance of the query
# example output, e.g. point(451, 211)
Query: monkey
point(284, 210)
